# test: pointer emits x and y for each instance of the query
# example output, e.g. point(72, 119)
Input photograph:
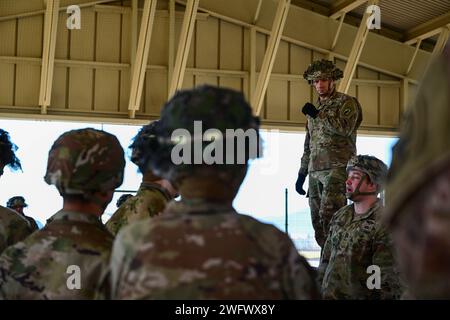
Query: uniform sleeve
point(18, 231)
point(383, 257)
point(298, 276)
point(116, 267)
point(306, 153)
point(347, 119)
point(324, 259)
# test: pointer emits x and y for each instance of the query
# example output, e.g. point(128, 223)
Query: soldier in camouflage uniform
point(358, 240)
point(13, 227)
point(329, 143)
point(418, 189)
point(154, 192)
point(200, 247)
point(66, 259)
point(17, 204)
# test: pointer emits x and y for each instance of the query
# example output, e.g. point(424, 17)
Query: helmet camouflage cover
point(322, 69)
point(217, 108)
point(84, 161)
point(144, 146)
point(422, 152)
point(372, 166)
point(17, 201)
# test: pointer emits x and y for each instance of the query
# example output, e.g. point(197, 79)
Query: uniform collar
point(375, 207)
point(74, 216)
point(332, 96)
point(155, 186)
point(198, 206)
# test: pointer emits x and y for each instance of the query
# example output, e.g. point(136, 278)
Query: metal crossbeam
point(427, 29)
point(184, 45)
point(345, 6)
point(355, 53)
point(269, 57)
point(48, 53)
point(140, 63)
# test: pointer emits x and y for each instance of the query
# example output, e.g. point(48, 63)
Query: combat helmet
point(373, 167)
point(422, 152)
point(144, 146)
point(7, 152)
point(322, 69)
point(17, 201)
point(205, 116)
point(84, 161)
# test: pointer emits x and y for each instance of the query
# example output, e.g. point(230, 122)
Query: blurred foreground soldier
point(329, 143)
point(13, 227)
point(122, 199)
point(358, 252)
point(65, 259)
point(154, 192)
point(418, 190)
point(17, 204)
point(200, 247)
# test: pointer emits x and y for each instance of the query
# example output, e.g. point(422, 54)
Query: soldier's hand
point(309, 109)
point(299, 184)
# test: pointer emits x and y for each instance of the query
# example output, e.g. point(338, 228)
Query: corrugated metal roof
point(406, 14)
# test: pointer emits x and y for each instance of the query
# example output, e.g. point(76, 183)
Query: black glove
point(299, 184)
point(309, 109)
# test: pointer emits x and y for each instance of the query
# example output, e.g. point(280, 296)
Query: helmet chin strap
point(352, 195)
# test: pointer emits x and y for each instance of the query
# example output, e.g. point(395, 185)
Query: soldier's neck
point(363, 206)
point(83, 207)
point(327, 96)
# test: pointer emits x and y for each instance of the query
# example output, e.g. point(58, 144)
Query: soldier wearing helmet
point(418, 188)
point(154, 191)
point(200, 247)
point(329, 143)
point(66, 259)
point(13, 227)
point(357, 260)
point(17, 204)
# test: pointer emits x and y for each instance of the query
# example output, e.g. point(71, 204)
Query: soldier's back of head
point(201, 248)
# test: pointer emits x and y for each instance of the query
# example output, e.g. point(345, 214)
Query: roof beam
point(187, 29)
point(171, 56)
point(258, 10)
point(355, 53)
point(39, 12)
point(413, 58)
point(140, 63)
point(336, 36)
point(344, 6)
point(440, 43)
point(427, 29)
point(48, 53)
point(270, 55)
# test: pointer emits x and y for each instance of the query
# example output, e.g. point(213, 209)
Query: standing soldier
point(418, 189)
point(13, 227)
point(66, 259)
point(330, 142)
point(358, 244)
point(200, 247)
point(17, 204)
point(154, 192)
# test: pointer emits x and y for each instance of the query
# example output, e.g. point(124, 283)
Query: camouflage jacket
point(32, 222)
point(47, 264)
point(331, 137)
point(13, 228)
point(198, 250)
point(354, 243)
point(149, 201)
